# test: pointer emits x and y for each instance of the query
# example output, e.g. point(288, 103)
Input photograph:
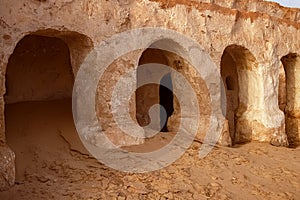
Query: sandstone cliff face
point(248, 40)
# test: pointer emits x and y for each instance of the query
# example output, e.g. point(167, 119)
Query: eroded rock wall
point(266, 30)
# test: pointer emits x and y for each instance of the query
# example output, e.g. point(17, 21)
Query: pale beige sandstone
point(282, 88)
point(256, 34)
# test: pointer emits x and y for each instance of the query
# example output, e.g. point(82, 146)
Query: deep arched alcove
point(151, 94)
point(38, 105)
point(230, 78)
point(39, 69)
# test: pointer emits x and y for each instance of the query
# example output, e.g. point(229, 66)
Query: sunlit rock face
point(255, 45)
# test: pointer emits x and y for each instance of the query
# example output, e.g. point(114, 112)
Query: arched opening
point(236, 65)
point(230, 78)
point(151, 94)
point(38, 105)
point(166, 99)
point(39, 69)
point(291, 64)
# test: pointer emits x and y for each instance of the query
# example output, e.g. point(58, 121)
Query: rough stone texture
point(292, 66)
point(282, 89)
point(261, 34)
point(7, 168)
point(104, 96)
point(201, 92)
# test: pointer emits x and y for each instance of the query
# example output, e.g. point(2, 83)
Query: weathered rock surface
point(7, 168)
point(258, 36)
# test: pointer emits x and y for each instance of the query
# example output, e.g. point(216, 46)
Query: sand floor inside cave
point(52, 164)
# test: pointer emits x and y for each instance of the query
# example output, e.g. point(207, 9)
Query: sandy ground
point(52, 164)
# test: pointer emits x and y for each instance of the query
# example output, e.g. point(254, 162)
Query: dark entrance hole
point(166, 100)
point(230, 83)
point(152, 94)
point(38, 106)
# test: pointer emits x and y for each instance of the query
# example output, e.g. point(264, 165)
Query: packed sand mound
point(52, 164)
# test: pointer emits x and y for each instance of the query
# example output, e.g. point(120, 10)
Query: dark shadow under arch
point(38, 106)
point(148, 95)
point(166, 99)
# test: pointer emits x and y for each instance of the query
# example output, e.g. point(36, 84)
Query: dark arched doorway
point(151, 94)
point(230, 79)
point(166, 100)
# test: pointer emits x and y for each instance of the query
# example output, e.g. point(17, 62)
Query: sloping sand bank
point(52, 164)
